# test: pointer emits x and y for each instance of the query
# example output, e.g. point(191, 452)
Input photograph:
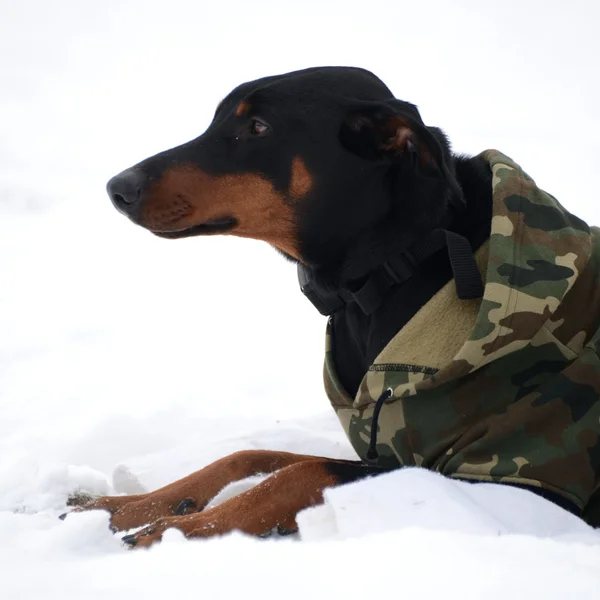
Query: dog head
point(306, 161)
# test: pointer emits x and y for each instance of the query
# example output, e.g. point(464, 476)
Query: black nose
point(126, 190)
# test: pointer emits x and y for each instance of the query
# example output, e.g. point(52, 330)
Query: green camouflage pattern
point(520, 401)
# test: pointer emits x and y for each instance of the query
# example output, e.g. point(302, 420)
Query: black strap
point(467, 278)
point(372, 454)
point(396, 271)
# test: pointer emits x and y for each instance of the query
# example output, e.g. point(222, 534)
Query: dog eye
point(258, 127)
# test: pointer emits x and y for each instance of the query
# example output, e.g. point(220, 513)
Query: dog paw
point(125, 511)
point(129, 512)
point(79, 501)
point(148, 535)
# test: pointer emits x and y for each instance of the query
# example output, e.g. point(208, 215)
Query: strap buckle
point(400, 268)
point(325, 302)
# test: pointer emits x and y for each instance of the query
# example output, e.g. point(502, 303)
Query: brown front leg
point(273, 503)
point(192, 493)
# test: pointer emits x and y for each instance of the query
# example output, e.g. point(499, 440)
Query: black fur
point(381, 178)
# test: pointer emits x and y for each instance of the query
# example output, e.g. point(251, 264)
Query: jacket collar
point(537, 250)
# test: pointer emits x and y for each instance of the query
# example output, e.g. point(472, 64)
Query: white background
point(128, 361)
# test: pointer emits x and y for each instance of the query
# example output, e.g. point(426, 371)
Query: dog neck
point(359, 337)
point(379, 277)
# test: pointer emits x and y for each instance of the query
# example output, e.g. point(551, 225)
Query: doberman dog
point(329, 168)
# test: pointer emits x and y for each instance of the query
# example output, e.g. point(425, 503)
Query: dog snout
point(126, 190)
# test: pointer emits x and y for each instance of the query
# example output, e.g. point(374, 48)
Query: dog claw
point(81, 498)
point(184, 505)
point(63, 516)
point(130, 540)
point(283, 531)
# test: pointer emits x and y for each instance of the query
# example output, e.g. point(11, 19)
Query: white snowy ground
point(127, 361)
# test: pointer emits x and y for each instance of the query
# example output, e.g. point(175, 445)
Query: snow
point(414, 497)
point(127, 361)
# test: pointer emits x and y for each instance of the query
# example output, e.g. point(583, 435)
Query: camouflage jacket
point(519, 401)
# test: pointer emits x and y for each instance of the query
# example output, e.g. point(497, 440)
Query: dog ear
point(393, 131)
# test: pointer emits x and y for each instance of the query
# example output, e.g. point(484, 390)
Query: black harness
point(394, 272)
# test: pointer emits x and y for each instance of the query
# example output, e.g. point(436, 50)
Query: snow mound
point(416, 498)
